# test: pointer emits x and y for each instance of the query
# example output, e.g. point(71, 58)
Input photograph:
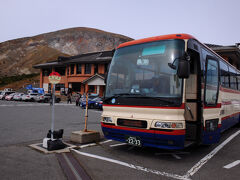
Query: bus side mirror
point(183, 70)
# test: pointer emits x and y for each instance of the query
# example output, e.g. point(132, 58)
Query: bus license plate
point(135, 141)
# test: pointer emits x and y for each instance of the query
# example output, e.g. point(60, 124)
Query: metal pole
point(86, 113)
point(53, 102)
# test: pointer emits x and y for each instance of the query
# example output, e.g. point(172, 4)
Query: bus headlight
point(170, 125)
point(107, 119)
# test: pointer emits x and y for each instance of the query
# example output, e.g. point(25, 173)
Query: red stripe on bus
point(229, 90)
point(173, 132)
point(226, 117)
point(226, 102)
point(158, 107)
point(219, 105)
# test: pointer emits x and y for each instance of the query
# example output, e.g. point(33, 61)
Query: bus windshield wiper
point(124, 94)
point(159, 98)
point(139, 95)
point(116, 96)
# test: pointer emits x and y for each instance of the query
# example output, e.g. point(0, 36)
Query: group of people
point(69, 98)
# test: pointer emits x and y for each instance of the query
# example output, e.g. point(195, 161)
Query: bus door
point(211, 111)
point(193, 103)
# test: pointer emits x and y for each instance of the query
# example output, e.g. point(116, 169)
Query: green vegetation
point(11, 79)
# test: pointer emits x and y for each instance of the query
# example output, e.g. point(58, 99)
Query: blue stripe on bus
point(230, 121)
point(148, 139)
point(227, 122)
point(211, 137)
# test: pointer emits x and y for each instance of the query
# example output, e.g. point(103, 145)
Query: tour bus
point(169, 92)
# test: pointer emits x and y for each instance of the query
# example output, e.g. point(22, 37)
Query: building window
point(60, 70)
point(76, 87)
point(91, 88)
point(72, 68)
point(58, 87)
point(105, 68)
point(88, 68)
point(49, 88)
point(46, 71)
point(68, 70)
point(95, 68)
point(79, 68)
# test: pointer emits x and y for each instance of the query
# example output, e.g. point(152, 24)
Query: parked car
point(83, 98)
point(40, 98)
point(18, 96)
point(9, 97)
point(29, 97)
point(95, 103)
point(24, 97)
point(5, 93)
point(47, 98)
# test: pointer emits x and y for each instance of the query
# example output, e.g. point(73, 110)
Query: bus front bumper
point(173, 139)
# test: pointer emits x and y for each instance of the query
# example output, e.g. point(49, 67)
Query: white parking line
point(176, 156)
point(77, 176)
point(175, 176)
point(88, 145)
point(235, 163)
point(187, 176)
point(121, 144)
point(105, 141)
point(20, 105)
point(26, 105)
point(97, 111)
point(204, 160)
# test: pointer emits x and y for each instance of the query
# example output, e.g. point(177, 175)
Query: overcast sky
point(210, 21)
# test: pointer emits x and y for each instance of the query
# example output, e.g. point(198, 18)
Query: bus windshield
point(143, 71)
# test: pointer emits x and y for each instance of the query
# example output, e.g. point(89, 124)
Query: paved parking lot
point(22, 124)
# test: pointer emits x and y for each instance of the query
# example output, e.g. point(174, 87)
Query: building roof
point(48, 64)
point(232, 53)
point(101, 76)
point(95, 57)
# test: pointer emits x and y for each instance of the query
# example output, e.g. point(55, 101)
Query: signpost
point(86, 113)
point(53, 78)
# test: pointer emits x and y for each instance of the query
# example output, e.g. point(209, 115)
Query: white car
point(10, 97)
point(18, 96)
point(29, 97)
point(5, 93)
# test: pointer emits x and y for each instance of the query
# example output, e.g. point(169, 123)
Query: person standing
point(69, 98)
point(78, 100)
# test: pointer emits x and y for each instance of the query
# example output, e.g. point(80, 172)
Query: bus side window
point(211, 83)
point(238, 79)
point(224, 74)
point(233, 78)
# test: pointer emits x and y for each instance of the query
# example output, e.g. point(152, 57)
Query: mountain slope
point(19, 55)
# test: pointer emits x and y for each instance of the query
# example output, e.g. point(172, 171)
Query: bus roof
point(156, 38)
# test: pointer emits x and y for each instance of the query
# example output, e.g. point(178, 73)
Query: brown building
point(80, 74)
point(229, 53)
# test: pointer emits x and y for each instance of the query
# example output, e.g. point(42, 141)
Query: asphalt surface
point(25, 123)
point(22, 124)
